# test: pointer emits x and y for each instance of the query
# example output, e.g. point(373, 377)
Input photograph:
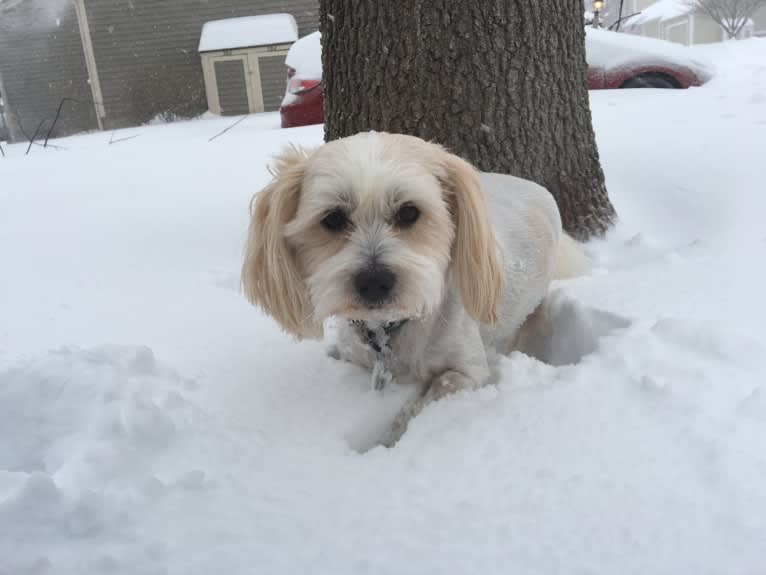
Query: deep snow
point(151, 421)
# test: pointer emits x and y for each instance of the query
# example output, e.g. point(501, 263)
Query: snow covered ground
point(152, 422)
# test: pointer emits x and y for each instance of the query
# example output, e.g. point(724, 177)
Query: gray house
point(678, 21)
point(118, 63)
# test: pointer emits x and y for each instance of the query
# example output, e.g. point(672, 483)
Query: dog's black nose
point(374, 284)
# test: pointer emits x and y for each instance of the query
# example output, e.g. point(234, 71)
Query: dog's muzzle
point(373, 285)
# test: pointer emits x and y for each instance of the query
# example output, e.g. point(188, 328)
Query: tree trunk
point(500, 83)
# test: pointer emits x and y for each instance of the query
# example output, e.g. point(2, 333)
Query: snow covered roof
point(248, 31)
point(661, 10)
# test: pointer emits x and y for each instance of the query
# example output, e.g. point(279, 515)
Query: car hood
point(305, 57)
point(609, 50)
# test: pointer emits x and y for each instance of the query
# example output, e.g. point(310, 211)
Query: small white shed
point(243, 62)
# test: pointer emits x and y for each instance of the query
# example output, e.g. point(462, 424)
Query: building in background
point(677, 21)
point(118, 63)
point(243, 62)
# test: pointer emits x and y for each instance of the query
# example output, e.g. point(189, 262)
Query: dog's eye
point(335, 221)
point(407, 215)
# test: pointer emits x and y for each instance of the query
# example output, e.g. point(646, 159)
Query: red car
point(615, 60)
point(618, 60)
point(302, 104)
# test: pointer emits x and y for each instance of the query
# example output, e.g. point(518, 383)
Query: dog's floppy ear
point(476, 264)
point(271, 276)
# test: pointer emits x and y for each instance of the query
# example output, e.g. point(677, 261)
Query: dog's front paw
point(445, 384)
point(381, 375)
point(401, 422)
point(397, 430)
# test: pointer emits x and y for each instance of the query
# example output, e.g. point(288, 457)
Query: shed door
point(233, 87)
point(272, 70)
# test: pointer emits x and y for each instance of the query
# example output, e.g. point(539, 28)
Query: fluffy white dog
point(425, 261)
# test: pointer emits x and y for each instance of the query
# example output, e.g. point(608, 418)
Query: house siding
point(146, 51)
point(676, 30)
point(759, 22)
point(145, 54)
point(272, 69)
point(706, 31)
point(41, 62)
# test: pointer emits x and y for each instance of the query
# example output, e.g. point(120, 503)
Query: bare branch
point(58, 114)
point(617, 23)
point(52, 146)
point(32, 139)
point(731, 15)
point(222, 132)
point(118, 140)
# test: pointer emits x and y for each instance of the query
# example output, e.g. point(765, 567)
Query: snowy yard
point(152, 421)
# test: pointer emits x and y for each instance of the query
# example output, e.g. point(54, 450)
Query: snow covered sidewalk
point(152, 422)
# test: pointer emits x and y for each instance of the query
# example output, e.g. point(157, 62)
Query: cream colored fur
point(469, 271)
point(475, 259)
point(270, 274)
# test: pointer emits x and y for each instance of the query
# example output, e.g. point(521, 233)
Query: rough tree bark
point(500, 83)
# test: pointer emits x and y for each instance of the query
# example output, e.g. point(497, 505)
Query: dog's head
point(370, 227)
